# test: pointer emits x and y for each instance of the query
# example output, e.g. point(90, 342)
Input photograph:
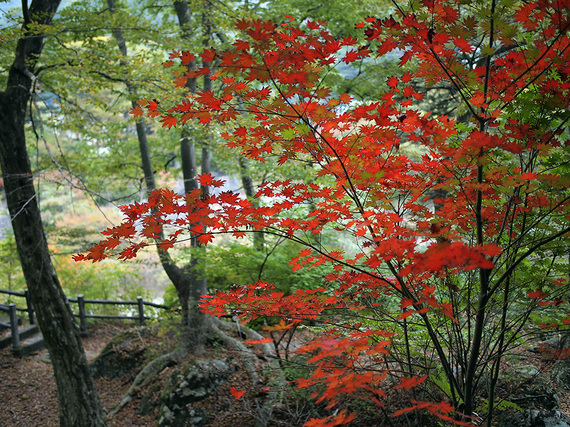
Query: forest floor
point(28, 393)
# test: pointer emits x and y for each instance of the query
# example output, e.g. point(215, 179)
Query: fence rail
point(82, 315)
point(29, 309)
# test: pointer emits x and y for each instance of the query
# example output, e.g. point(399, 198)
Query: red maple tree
point(449, 214)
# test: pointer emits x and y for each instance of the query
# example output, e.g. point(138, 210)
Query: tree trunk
point(198, 321)
point(189, 281)
point(79, 403)
point(177, 276)
point(249, 189)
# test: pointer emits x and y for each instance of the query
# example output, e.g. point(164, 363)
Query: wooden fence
point(140, 303)
point(82, 314)
point(29, 309)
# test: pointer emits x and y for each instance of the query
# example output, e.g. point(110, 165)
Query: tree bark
point(197, 321)
point(249, 189)
point(179, 278)
point(79, 403)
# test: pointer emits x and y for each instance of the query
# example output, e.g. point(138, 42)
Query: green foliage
point(232, 263)
point(235, 263)
point(340, 15)
point(501, 405)
point(98, 281)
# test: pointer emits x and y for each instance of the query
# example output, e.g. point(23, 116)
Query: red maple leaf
point(538, 294)
point(236, 393)
point(136, 111)
point(463, 45)
point(260, 341)
point(205, 238)
point(407, 383)
point(392, 82)
point(168, 121)
point(186, 58)
point(351, 56)
point(208, 55)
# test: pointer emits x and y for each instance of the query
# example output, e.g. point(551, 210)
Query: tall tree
point(179, 277)
point(189, 283)
point(78, 399)
point(197, 281)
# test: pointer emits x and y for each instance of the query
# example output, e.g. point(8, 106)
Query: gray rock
point(195, 383)
point(560, 373)
point(535, 418)
point(529, 388)
point(549, 344)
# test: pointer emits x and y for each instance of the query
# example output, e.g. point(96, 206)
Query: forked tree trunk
point(79, 403)
point(188, 281)
point(178, 276)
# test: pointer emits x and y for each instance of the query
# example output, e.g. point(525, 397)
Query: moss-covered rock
point(192, 384)
point(560, 373)
point(124, 354)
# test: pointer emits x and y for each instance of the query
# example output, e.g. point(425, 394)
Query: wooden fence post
point(141, 310)
point(31, 316)
point(82, 314)
point(14, 327)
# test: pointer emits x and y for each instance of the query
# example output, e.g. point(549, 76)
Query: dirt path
point(28, 392)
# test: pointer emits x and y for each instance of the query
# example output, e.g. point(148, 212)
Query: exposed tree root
point(277, 389)
point(152, 369)
point(249, 359)
point(247, 356)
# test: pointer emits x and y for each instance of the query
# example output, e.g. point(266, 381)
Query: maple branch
point(538, 221)
point(397, 6)
point(267, 255)
point(530, 251)
point(306, 121)
point(536, 62)
point(403, 287)
point(483, 273)
point(491, 46)
point(405, 291)
point(530, 82)
point(506, 216)
point(454, 83)
point(315, 131)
